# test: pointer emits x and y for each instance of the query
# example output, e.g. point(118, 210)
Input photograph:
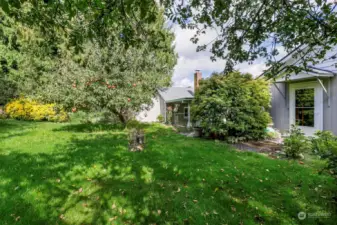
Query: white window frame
point(319, 114)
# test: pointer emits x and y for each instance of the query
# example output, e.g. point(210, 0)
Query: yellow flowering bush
point(27, 109)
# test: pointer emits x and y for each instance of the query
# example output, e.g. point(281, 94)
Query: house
point(175, 99)
point(307, 99)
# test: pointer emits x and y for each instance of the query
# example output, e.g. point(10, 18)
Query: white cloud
point(254, 69)
point(190, 60)
point(185, 82)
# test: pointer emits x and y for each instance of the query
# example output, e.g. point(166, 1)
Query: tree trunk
point(120, 115)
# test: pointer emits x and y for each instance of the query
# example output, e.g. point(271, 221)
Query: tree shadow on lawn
point(95, 180)
point(88, 128)
point(12, 128)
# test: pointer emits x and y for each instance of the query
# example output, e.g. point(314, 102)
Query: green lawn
point(82, 174)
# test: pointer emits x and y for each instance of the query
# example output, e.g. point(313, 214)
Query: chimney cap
point(197, 70)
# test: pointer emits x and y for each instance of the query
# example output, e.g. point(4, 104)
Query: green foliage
point(296, 143)
point(325, 145)
point(8, 89)
point(2, 113)
point(169, 115)
point(243, 27)
point(27, 109)
point(25, 55)
point(160, 118)
point(83, 73)
point(120, 80)
point(232, 106)
point(135, 124)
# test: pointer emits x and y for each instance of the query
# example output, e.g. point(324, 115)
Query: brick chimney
point(197, 78)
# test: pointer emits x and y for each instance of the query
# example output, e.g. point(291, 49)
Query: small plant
point(169, 115)
point(296, 143)
point(272, 133)
point(325, 145)
point(2, 113)
point(160, 118)
point(136, 135)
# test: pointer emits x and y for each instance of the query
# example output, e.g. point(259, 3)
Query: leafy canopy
point(246, 29)
point(115, 78)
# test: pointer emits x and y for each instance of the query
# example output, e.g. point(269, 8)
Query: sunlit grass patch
point(84, 174)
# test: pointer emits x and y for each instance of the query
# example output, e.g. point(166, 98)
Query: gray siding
point(330, 113)
point(162, 107)
point(279, 106)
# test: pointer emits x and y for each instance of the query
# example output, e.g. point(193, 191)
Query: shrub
point(27, 109)
point(272, 133)
point(169, 115)
point(135, 124)
point(2, 113)
point(296, 143)
point(160, 118)
point(233, 107)
point(325, 145)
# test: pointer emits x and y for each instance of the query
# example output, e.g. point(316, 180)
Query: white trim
point(302, 76)
point(318, 105)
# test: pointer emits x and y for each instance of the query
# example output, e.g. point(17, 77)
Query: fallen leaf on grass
point(159, 211)
point(58, 180)
point(17, 218)
point(62, 217)
point(113, 218)
point(233, 209)
point(300, 162)
point(113, 206)
point(195, 201)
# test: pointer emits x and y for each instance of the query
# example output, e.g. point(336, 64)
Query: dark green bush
point(233, 107)
point(325, 145)
point(296, 143)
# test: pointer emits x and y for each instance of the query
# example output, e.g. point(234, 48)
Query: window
point(186, 112)
point(305, 107)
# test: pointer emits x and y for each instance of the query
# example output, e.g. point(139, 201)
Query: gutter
point(179, 99)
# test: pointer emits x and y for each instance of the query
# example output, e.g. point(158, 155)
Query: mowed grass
point(84, 174)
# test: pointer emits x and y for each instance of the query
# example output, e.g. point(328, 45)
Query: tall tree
point(113, 77)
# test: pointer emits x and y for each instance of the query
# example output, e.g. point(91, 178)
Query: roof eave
point(179, 99)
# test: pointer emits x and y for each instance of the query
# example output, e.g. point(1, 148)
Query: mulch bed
point(270, 147)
